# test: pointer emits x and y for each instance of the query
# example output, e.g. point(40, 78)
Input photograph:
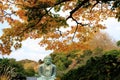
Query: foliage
point(73, 59)
point(63, 61)
point(87, 52)
point(106, 67)
point(6, 72)
point(44, 19)
point(13, 70)
point(118, 43)
point(30, 72)
point(72, 54)
point(98, 51)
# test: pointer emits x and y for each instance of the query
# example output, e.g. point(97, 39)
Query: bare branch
point(76, 8)
point(94, 5)
point(78, 22)
point(61, 1)
point(74, 33)
point(59, 31)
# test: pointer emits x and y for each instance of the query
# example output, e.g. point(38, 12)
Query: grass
point(6, 72)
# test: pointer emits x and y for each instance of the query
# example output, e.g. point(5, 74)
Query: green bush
point(87, 52)
point(30, 72)
point(118, 43)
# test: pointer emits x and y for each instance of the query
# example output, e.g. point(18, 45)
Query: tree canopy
point(43, 19)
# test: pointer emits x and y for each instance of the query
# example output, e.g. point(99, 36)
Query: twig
point(59, 32)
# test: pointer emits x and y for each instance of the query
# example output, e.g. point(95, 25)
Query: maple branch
point(78, 23)
point(76, 8)
point(80, 5)
point(74, 33)
point(6, 13)
point(46, 5)
point(38, 7)
point(35, 23)
point(59, 32)
point(77, 27)
point(97, 1)
point(61, 1)
point(13, 3)
point(47, 11)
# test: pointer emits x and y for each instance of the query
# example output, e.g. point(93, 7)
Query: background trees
point(102, 40)
point(44, 19)
point(98, 68)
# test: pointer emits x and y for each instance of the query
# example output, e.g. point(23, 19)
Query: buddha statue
point(47, 70)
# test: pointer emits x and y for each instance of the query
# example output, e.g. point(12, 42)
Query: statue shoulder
point(53, 65)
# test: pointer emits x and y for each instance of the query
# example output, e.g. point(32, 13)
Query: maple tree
point(43, 19)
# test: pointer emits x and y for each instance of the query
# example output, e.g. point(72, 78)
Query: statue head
point(48, 60)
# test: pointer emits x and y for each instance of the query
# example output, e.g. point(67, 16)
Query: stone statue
point(47, 70)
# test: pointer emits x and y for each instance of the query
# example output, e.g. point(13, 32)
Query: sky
point(113, 28)
point(32, 51)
